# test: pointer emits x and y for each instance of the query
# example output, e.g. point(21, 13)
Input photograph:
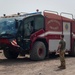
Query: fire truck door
point(67, 34)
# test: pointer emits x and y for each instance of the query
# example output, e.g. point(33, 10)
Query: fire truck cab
point(36, 34)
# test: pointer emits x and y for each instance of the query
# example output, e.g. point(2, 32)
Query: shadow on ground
point(27, 60)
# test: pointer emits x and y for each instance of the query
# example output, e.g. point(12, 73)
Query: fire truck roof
point(56, 16)
point(20, 16)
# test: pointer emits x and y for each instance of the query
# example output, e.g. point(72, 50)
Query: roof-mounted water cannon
point(4, 15)
point(37, 10)
point(18, 14)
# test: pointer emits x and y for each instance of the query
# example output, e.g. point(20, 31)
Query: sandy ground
point(24, 66)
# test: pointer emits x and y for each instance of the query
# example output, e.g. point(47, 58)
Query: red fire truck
point(36, 34)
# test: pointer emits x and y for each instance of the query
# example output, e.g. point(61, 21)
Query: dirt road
point(24, 66)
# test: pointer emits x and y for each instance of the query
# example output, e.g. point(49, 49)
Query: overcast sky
point(14, 6)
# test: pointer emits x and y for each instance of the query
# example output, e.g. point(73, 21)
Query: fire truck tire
point(10, 54)
point(72, 52)
point(38, 51)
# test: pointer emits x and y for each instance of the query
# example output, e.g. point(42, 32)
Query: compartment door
point(67, 34)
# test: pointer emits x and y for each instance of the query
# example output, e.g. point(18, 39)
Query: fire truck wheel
point(72, 52)
point(38, 51)
point(10, 54)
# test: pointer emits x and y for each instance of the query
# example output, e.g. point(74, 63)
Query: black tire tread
point(10, 54)
point(34, 55)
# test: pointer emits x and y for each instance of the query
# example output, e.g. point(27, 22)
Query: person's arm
point(59, 46)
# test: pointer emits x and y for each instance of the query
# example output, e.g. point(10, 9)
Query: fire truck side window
point(28, 28)
point(21, 30)
point(39, 23)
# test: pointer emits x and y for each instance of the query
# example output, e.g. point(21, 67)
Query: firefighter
point(61, 50)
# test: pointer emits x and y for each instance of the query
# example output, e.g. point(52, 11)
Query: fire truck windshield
point(7, 25)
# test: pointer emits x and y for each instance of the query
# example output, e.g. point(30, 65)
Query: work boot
point(62, 67)
point(59, 66)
